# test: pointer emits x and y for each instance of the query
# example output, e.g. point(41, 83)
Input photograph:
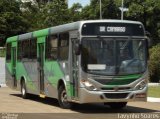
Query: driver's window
point(138, 46)
point(125, 50)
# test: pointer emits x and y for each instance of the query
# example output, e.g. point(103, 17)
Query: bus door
point(41, 66)
point(74, 71)
point(13, 62)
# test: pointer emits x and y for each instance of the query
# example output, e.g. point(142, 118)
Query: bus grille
point(113, 89)
point(116, 95)
point(115, 81)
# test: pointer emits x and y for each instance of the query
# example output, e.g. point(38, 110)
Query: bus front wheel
point(62, 98)
point(117, 105)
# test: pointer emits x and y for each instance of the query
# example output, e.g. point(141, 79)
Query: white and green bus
point(94, 61)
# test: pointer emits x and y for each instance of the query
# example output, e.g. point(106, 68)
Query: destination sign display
point(113, 29)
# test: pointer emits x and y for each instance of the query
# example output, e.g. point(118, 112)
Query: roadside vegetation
point(154, 91)
point(2, 52)
point(154, 63)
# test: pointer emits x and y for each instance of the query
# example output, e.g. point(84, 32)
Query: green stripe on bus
point(40, 33)
point(123, 80)
point(53, 71)
point(21, 70)
point(12, 39)
point(129, 76)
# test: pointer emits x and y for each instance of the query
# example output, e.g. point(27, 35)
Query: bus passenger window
point(63, 46)
point(26, 48)
point(51, 47)
point(33, 48)
point(19, 52)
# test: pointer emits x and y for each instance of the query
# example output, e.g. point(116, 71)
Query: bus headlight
point(141, 85)
point(88, 85)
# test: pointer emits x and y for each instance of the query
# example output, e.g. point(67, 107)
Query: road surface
point(11, 102)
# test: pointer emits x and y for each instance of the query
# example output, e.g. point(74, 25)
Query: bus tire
point(24, 93)
point(62, 98)
point(117, 105)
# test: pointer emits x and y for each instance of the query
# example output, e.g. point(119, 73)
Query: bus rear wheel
point(117, 105)
point(62, 98)
point(24, 93)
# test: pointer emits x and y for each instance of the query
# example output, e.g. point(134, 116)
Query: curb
point(3, 85)
point(152, 99)
point(153, 84)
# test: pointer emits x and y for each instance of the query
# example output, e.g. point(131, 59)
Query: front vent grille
point(115, 81)
point(116, 95)
point(119, 88)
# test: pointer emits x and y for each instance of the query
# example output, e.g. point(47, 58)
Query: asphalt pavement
point(12, 102)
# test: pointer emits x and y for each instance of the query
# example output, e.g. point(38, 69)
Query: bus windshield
point(113, 56)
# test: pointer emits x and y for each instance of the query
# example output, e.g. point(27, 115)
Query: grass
point(154, 91)
point(2, 52)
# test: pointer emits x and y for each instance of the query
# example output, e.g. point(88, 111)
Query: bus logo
point(116, 89)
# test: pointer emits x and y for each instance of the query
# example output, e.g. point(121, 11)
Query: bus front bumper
point(86, 96)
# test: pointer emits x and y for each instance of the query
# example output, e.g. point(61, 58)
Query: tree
point(11, 20)
point(146, 11)
point(32, 12)
point(109, 10)
point(154, 63)
point(55, 13)
point(75, 12)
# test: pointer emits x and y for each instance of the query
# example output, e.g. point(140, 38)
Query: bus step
point(42, 95)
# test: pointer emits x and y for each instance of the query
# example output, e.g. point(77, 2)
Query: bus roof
point(64, 28)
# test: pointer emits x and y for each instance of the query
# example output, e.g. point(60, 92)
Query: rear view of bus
point(113, 63)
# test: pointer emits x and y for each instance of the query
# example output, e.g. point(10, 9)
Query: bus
point(92, 61)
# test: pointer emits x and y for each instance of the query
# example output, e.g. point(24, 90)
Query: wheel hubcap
point(64, 97)
point(23, 91)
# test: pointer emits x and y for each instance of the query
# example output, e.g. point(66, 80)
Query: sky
point(82, 2)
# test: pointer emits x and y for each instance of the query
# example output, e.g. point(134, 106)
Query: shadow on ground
point(89, 108)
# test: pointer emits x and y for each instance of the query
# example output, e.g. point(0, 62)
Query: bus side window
point(24, 49)
point(19, 52)
point(8, 54)
point(33, 49)
point(51, 47)
point(63, 46)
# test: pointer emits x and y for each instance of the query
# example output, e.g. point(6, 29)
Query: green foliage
point(31, 11)
point(75, 12)
point(110, 10)
point(55, 13)
point(153, 91)
point(11, 20)
point(146, 11)
point(2, 52)
point(154, 63)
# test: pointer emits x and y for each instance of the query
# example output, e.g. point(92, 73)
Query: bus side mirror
point(149, 44)
point(149, 40)
point(77, 49)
